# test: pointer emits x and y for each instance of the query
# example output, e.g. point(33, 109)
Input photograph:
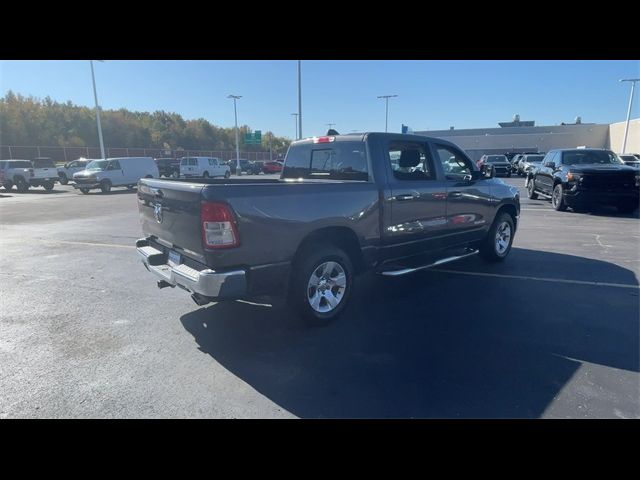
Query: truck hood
point(596, 168)
point(86, 173)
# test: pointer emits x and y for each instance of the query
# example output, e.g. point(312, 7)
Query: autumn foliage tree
point(31, 121)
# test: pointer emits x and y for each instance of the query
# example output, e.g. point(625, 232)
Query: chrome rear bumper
point(207, 282)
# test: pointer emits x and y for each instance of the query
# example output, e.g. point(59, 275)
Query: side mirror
point(487, 170)
point(550, 165)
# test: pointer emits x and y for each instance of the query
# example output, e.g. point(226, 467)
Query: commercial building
point(523, 136)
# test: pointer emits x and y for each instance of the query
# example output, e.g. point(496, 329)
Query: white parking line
point(90, 244)
point(541, 279)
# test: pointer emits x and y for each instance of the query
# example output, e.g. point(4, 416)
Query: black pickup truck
point(581, 178)
point(345, 204)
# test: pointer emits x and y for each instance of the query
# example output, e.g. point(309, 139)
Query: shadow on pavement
point(433, 344)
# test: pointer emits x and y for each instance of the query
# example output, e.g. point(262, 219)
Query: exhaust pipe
point(200, 299)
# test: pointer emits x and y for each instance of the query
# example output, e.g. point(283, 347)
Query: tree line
point(32, 121)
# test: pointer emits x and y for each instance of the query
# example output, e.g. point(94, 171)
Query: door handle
point(404, 197)
point(455, 194)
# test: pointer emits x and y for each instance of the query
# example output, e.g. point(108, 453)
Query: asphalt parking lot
point(552, 332)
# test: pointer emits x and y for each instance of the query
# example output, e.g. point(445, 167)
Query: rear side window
point(23, 164)
point(339, 161)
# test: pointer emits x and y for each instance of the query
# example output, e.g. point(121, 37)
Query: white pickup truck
point(45, 173)
point(15, 172)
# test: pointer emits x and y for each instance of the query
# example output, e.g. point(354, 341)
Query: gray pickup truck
point(344, 204)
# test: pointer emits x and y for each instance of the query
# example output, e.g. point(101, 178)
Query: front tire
point(627, 208)
point(63, 179)
point(557, 198)
point(497, 244)
point(48, 186)
point(84, 191)
point(227, 174)
point(531, 192)
point(205, 175)
point(321, 284)
point(8, 185)
point(105, 186)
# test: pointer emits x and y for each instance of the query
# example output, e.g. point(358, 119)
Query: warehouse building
point(524, 136)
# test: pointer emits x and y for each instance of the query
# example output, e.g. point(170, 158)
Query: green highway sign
point(254, 138)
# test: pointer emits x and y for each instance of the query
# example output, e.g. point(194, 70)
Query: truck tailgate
point(46, 172)
point(170, 211)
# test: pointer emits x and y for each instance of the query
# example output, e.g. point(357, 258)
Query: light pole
point(386, 114)
point(626, 128)
point(299, 100)
point(295, 115)
point(330, 125)
point(95, 96)
point(235, 111)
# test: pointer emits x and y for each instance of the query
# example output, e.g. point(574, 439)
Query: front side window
point(113, 165)
point(454, 164)
point(193, 162)
point(410, 161)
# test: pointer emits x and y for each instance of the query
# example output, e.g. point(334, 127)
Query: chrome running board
point(404, 271)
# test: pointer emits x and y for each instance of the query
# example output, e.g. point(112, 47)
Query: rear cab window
point(331, 161)
point(43, 163)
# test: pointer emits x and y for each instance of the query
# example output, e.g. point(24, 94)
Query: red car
point(272, 167)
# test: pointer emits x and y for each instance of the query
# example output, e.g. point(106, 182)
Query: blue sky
point(431, 94)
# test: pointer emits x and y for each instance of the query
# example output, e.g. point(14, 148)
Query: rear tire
point(531, 192)
point(205, 175)
point(321, 284)
point(497, 244)
point(8, 185)
point(557, 198)
point(227, 174)
point(21, 185)
point(63, 179)
point(85, 191)
point(105, 186)
point(48, 186)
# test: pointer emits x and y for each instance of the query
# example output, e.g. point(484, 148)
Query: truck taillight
point(218, 226)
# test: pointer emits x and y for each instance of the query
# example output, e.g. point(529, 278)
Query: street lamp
point(95, 96)
point(299, 100)
point(295, 115)
point(386, 115)
point(626, 128)
point(235, 111)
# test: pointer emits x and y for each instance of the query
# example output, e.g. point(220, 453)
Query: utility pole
point(386, 113)
point(95, 97)
point(235, 111)
point(295, 115)
point(626, 128)
point(299, 101)
point(330, 125)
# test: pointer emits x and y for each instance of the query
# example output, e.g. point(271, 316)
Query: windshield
point(98, 165)
point(496, 159)
point(534, 158)
point(591, 157)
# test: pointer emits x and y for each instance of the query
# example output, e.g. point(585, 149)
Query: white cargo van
point(115, 172)
point(203, 167)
